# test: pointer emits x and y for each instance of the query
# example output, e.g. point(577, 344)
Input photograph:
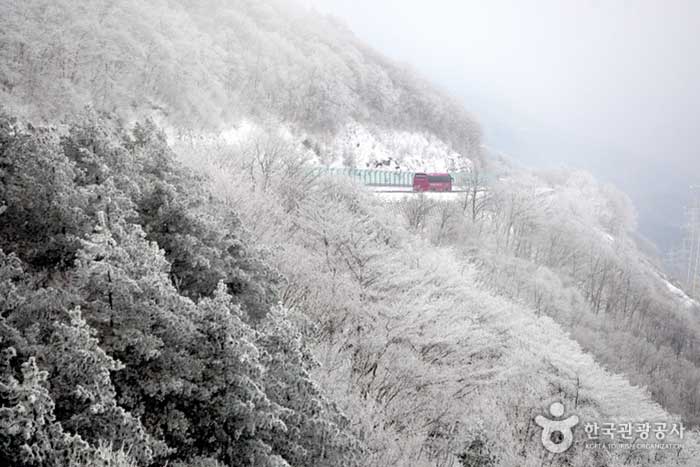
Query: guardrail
point(370, 177)
point(379, 177)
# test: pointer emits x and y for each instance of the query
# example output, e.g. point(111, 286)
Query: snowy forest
point(178, 287)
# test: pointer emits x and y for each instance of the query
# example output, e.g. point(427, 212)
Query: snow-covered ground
point(359, 146)
point(355, 146)
point(408, 189)
point(605, 235)
point(392, 189)
point(395, 196)
point(682, 296)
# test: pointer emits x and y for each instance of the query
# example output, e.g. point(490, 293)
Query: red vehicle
point(432, 182)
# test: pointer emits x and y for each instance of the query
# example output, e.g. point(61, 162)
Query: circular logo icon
point(557, 435)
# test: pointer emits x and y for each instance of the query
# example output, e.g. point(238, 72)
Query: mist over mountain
point(610, 87)
point(659, 187)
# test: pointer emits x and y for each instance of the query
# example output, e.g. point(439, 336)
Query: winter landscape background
point(180, 285)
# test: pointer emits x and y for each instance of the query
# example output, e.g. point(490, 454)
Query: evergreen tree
point(42, 212)
point(317, 433)
point(85, 398)
point(29, 435)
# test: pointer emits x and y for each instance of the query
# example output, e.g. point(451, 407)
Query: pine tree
point(232, 389)
point(317, 433)
point(84, 395)
point(29, 435)
point(42, 217)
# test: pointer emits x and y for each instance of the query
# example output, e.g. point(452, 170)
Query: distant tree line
point(204, 64)
point(564, 244)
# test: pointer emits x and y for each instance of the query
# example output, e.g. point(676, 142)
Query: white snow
point(384, 189)
point(239, 133)
point(361, 147)
point(685, 299)
point(544, 190)
point(396, 196)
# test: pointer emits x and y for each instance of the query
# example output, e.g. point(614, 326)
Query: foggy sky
point(610, 86)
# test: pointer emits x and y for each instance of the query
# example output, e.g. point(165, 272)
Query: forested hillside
point(565, 245)
point(438, 362)
point(200, 301)
point(201, 70)
point(139, 325)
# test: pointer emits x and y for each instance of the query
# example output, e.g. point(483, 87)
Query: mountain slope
point(207, 64)
point(254, 314)
point(427, 360)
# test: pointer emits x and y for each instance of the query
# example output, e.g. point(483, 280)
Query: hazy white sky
point(608, 85)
